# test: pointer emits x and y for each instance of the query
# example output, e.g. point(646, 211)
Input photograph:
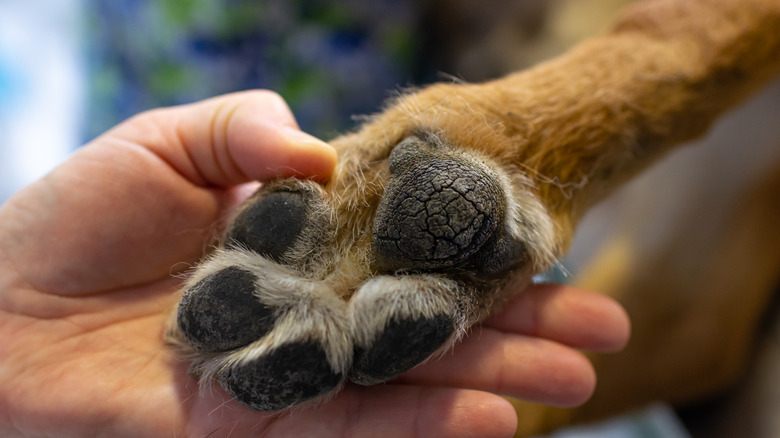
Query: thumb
point(231, 139)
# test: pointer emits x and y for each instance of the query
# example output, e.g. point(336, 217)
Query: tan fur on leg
point(562, 135)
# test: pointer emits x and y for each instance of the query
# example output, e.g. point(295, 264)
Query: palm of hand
point(85, 284)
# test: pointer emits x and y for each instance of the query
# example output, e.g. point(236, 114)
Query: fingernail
point(326, 156)
point(297, 136)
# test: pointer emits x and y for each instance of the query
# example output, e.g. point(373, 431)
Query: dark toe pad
point(271, 224)
point(221, 313)
point(283, 378)
point(402, 345)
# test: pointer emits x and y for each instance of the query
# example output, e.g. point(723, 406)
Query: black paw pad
point(439, 208)
point(270, 224)
point(501, 254)
point(285, 377)
point(400, 347)
point(221, 313)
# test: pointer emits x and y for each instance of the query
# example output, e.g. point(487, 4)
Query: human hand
point(86, 257)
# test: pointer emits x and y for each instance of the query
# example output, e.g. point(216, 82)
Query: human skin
point(88, 257)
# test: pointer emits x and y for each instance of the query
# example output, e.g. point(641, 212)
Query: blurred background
point(42, 88)
point(71, 69)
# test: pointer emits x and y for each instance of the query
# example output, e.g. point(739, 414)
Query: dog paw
point(315, 286)
point(252, 315)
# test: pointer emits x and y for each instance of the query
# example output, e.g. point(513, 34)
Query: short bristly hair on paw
point(296, 299)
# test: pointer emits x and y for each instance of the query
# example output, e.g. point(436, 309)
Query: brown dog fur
point(585, 122)
point(582, 124)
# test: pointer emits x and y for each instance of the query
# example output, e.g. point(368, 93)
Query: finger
point(568, 315)
point(377, 411)
point(520, 366)
point(406, 411)
point(231, 139)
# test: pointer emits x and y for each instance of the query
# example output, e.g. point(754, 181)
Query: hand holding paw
point(86, 260)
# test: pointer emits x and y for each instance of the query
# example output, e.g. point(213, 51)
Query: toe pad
point(400, 347)
point(282, 378)
point(221, 313)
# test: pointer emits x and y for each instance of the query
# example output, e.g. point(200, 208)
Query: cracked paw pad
point(439, 209)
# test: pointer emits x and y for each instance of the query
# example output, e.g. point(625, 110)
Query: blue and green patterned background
point(328, 59)
point(70, 69)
